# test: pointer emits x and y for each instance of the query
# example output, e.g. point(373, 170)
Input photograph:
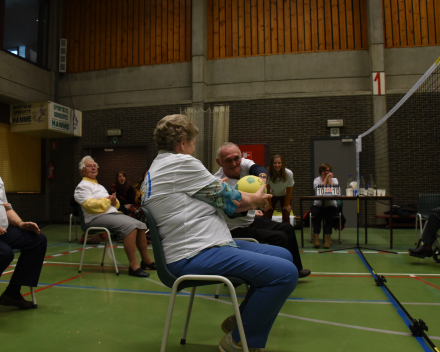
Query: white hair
point(227, 145)
point(82, 163)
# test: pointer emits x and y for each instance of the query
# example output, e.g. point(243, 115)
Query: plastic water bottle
point(349, 186)
point(349, 181)
point(362, 186)
point(372, 190)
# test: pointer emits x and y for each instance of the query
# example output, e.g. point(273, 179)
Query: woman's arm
point(222, 196)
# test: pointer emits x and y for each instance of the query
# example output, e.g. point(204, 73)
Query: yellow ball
point(249, 184)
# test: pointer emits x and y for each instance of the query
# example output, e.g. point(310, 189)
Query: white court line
point(313, 273)
point(280, 314)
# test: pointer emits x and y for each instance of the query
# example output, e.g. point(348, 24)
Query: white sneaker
point(227, 344)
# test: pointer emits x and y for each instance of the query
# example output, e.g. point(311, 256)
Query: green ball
point(249, 184)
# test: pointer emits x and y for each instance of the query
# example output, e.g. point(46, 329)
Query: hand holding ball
point(249, 184)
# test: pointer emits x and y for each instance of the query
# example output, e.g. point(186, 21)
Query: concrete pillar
point(377, 64)
point(199, 51)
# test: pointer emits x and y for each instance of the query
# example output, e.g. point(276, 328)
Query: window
point(25, 27)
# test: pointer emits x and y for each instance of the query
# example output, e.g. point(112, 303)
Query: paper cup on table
point(349, 192)
point(381, 192)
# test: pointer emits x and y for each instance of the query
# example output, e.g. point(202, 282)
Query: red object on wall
point(54, 145)
point(50, 171)
point(255, 152)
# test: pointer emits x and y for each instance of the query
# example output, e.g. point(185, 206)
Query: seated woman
point(280, 184)
point(100, 210)
point(328, 211)
point(185, 199)
point(125, 192)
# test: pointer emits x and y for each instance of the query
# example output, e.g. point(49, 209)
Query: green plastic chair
point(90, 231)
point(188, 281)
point(34, 300)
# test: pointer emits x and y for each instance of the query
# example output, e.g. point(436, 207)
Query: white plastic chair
point(95, 229)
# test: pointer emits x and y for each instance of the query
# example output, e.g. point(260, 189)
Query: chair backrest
point(428, 202)
point(164, 274)
point(81, 219)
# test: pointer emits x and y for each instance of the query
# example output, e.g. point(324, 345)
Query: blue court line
point(405, 319)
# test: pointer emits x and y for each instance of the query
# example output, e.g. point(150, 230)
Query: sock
point(13, 291)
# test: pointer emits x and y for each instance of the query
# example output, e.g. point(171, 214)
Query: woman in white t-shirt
point(326, 211)
point(185, 200)
point(280, 184)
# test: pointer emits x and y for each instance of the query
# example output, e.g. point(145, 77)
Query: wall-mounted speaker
point(63, 51)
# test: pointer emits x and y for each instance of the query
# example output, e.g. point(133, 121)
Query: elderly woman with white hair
point(100, 210)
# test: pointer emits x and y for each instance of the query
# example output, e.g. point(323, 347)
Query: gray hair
point(227, 145)
point(82, 163)
point(172, 129)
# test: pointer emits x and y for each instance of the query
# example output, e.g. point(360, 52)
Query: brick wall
point(273, 122)
point(414, 147)
point(286, 126)
point(134, 153)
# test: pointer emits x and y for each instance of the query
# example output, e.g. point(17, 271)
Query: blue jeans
point(269, 271)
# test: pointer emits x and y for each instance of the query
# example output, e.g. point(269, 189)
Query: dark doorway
point(132, 160)
point(341, 154)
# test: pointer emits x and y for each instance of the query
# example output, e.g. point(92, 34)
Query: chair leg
point(84, 249)
point(238, 316)
point(217, 291)
point(34, 299)
point(188, 315)
point(76, 231)
point(340, 226)
point(310, 227)
point(168, 319)
point(103, 253)
point(70, 228)
point(113, 252)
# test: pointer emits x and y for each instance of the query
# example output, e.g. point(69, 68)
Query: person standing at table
point(325, 211)
point(280, 184)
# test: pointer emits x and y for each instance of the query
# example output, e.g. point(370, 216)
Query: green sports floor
point(338, 308)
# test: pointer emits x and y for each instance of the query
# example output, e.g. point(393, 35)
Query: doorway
point(132, 160)
point(340, 153)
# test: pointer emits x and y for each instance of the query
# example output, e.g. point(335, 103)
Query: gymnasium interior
point(353, 83)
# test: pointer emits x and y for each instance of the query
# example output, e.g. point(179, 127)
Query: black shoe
point(19, 303)
point(304, 273)
point(420, 252)
point(151, 266)
point(138, 272)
